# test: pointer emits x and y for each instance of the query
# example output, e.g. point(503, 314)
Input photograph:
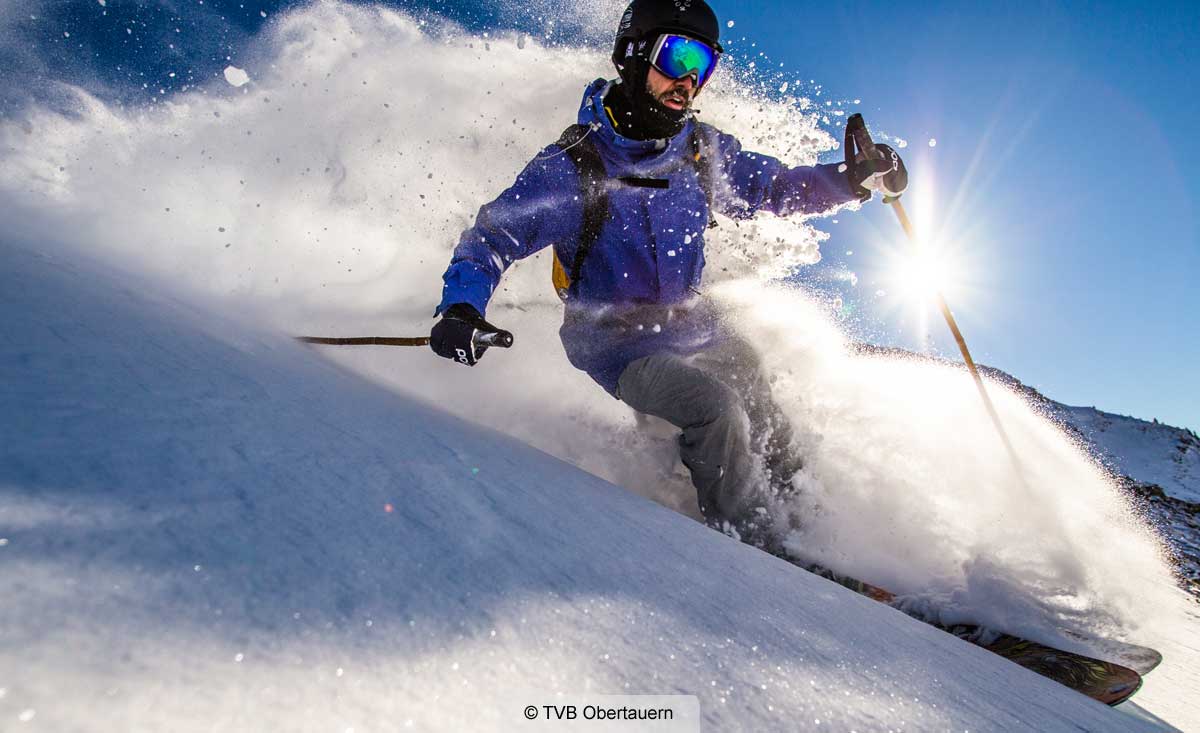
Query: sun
point(921, 274)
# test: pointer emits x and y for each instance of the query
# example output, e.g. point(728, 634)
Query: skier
point(624, 198)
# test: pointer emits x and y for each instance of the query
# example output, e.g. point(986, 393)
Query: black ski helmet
point(645, 19)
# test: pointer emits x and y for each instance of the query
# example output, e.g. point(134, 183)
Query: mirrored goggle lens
point(678, 56)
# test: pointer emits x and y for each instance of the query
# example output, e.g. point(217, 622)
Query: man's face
point(676, 94)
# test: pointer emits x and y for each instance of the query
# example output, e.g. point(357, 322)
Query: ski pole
point(500, 339)
point(856, 133)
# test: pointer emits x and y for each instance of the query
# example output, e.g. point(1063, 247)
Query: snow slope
point(207, 527)
point(1148, 452)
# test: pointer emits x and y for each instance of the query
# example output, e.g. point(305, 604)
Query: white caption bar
point(606, 713)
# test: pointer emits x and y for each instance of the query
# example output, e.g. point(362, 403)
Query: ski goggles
point(678, 56)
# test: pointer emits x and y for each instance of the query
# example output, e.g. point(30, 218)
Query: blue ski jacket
point(638, 289)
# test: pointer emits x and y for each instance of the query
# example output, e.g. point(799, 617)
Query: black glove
point(454, 336)
point(885, 174)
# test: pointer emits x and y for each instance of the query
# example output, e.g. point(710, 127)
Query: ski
point(1141, 659)
point(1104, 681)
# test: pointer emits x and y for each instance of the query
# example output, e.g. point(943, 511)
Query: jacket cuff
point(849, 190)
point(475, 294)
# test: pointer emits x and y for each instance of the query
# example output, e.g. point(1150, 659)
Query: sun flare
point(922, 274)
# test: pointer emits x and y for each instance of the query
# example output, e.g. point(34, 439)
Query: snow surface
point(151, 437)
point(197, 540)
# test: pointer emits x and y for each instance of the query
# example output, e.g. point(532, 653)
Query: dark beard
point(642, 117)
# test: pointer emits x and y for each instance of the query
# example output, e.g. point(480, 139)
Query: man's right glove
point(454, 336)
point(885, 174)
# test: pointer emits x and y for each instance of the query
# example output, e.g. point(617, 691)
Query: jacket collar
point(591, 113)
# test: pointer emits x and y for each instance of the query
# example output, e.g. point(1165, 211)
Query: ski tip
point(1119, 693)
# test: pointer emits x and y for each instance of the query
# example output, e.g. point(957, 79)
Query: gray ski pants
point(721, 400)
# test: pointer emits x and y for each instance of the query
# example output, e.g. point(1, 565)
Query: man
point(624, 199)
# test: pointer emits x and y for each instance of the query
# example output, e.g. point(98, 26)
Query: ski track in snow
point(195, 443)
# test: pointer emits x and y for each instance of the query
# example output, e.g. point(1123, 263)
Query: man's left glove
point(454, 336)
point(885, 174)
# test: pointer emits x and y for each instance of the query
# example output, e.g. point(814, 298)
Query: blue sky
point(1062, 178)
point(1079, 219)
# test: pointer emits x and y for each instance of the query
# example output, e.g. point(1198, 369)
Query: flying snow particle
point(901, 143)
point(783, 89)
point(729, 24)
point(933, 142)
point(238, 657)
point(103, 3)
point(236, 77)
point(263, 13)
point(3, 542)
point(27, 715)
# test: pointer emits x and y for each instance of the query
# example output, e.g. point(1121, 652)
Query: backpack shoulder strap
point(703, 159)
point(577, 144)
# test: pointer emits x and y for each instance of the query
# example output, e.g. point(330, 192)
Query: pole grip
point(856, 131)
point(500, 339)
